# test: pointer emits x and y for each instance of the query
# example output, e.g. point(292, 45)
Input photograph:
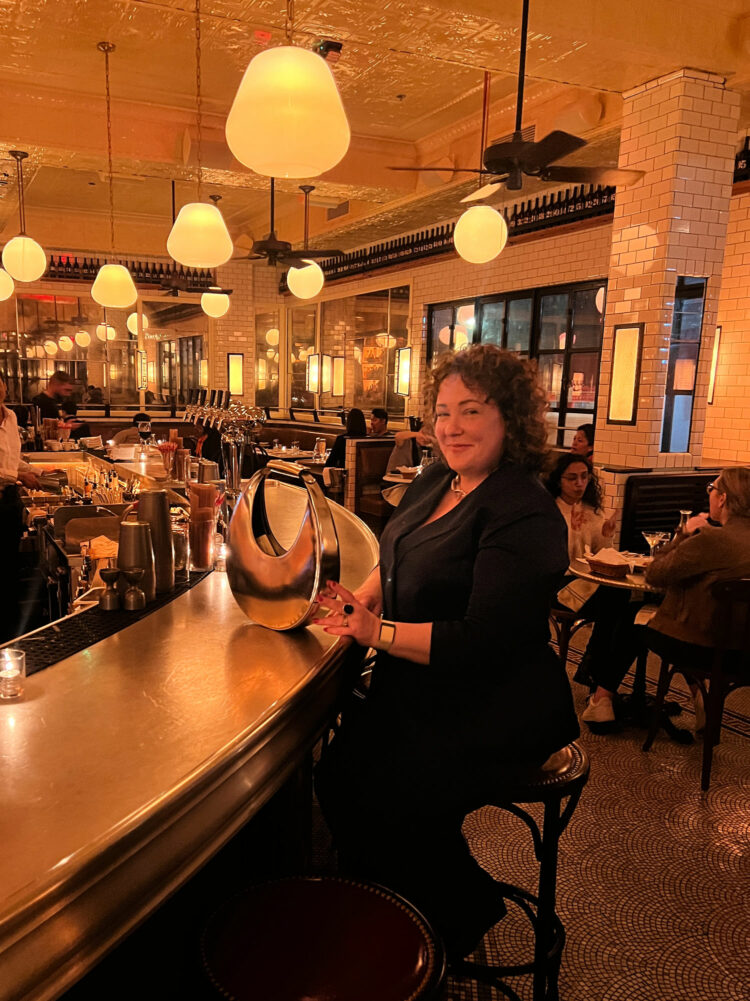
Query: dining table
point(636, 708)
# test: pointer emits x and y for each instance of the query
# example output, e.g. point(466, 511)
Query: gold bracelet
point(386, 636)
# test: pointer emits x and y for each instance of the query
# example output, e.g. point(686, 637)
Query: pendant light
point(199, 237)
point(287, 118)
point(113, 286)
point(105, 332)
point(215, 302)
point(481, 232)
point(23, 258)
point(132, 323)
point(306, 282)
point(83, 338)
point(65, 343)
point(6, 285)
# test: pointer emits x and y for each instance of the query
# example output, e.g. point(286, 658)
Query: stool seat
point(560, 775)
point(328, 939)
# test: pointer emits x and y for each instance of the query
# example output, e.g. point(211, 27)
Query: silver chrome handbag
point(273, 586)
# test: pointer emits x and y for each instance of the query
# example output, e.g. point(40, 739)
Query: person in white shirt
point(12, 468)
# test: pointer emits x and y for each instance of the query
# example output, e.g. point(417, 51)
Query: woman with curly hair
point(466, 689)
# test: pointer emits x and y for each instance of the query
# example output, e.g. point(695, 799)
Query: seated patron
point(683, 629)
point(356, 427)
point(576, 489)
point(131, 435)
point(379, 423)
point(407, 448)
point(466, 689)
point(583, 441)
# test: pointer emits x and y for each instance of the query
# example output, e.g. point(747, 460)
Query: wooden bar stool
point(303, 938)
point(557, 785)
point(566, 624)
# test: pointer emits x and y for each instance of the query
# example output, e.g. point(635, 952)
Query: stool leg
point(564, 641)
point(546, 974)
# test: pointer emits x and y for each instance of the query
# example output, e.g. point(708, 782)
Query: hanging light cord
point(21, 205)
point(199, 96)
point(106, 48)
point(289, 23)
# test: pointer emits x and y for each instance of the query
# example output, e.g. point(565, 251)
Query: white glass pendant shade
point(50, 347)
point(215, 304)
point(113, 287)
point(305, 282)
point(24, 259)
point(132, 322)
point(272, 336)
point(480, 234)
point(106, 332)
point(83, 338)
point(6, 285)
point(287, 119)
point(199, 237)
point(66, 343)
point(600, 298)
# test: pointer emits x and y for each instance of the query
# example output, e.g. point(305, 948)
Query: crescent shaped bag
point(278, 587)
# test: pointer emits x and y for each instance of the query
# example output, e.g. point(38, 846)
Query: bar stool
point(557, 785)
point(330, 938)
point(566, 624)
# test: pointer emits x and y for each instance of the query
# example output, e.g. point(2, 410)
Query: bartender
point(51, 400)
point(12, 471)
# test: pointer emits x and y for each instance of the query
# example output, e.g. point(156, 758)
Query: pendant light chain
point(199, 96)
point(106, 48)
point(289, 24)
point(19, 157)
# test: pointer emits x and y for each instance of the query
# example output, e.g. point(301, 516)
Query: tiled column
point(681, 130)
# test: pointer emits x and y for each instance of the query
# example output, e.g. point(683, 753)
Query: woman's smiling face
point(469, 428)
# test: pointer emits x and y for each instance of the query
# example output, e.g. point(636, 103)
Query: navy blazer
point(494, 692)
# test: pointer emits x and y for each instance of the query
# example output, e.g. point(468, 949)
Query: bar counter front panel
point(128, 765)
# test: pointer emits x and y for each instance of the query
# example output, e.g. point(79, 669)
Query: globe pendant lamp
point(23, 258)
point(66, 343)
point(199, 237)
point(287, 118)
point(132, 323)
point(306, 282)
point(6, 285)
point(83, 338)
point(105, 332)
point(215, 303)
point(113, 286)
point(480, 234)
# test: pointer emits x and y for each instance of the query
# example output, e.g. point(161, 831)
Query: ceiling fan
point(508, 161)
point(277, 251)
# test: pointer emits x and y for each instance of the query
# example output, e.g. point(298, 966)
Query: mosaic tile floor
point(654, 876)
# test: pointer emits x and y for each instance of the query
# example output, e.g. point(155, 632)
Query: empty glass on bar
point(12, 672)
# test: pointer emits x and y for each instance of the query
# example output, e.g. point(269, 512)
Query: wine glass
point(653, 538)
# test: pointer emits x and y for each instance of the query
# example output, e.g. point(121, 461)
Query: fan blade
point(553, 147)
point(317, 253)
point(484, 192)
point(592, 175)
point(444, 170)
point(293, 262)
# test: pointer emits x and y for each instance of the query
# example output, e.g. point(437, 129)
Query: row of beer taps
point(215, 409)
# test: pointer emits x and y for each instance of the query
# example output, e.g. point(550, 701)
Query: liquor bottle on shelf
point(742, 159)
point(578, 205)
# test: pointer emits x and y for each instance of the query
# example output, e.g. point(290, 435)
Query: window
point(301, 327)
point(560, 327)
point(267, 346)
point(684, 346)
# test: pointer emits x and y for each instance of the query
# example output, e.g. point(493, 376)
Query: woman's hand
point(349, 616)
point(608, 528)
point(29, 479)
point(696, 522)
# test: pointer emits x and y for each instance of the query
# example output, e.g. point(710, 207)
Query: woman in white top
point(575, 487)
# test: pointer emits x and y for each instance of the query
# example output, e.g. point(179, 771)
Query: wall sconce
point(235, 375)
point(403, 371)
point(142, 370)
point(262, 373)
point(714, 363)
point(626, 370)
point(338, 376)
point(312, 374)
point(326, 373)
point(203, 373)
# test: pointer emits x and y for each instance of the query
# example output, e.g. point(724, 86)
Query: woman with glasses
point(574, 485)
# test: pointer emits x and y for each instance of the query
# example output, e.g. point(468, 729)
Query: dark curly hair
point(593, 492)
point(513, 385)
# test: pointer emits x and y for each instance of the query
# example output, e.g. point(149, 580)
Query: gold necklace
point(460, 494)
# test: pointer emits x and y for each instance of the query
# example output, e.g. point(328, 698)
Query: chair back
point(732, 599)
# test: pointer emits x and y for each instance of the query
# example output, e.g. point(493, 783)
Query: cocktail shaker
point(153, 507)
point(136, 551)
point(207, 471)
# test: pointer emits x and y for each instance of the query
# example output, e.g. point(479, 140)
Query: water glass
point(12, 672)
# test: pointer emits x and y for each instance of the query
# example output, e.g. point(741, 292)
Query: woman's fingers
point(341, 591)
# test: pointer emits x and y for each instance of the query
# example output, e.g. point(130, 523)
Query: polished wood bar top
point(128, 765)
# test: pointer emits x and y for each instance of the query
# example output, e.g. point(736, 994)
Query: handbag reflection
point(278, 587)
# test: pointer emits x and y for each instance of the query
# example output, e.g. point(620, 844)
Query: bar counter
point(128, 765)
